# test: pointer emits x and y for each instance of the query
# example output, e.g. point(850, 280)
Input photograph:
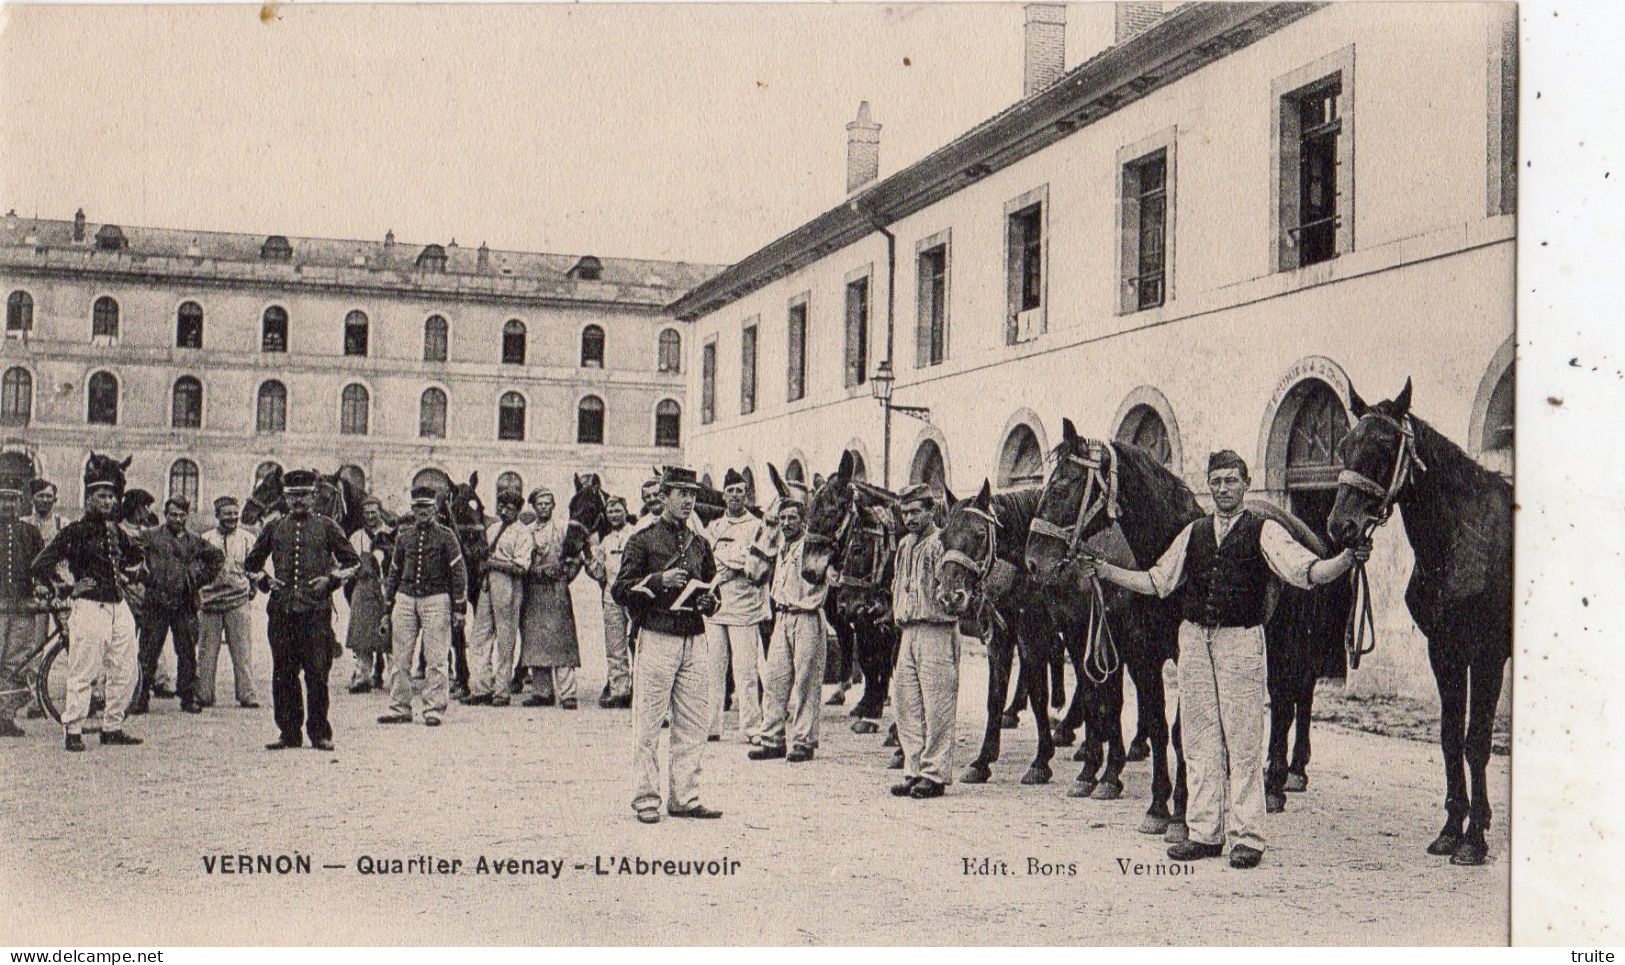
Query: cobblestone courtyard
point(110, 847)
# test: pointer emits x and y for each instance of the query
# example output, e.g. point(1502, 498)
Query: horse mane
point(1015, 510)
point(1155, 503)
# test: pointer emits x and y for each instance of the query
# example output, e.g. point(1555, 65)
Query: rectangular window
point(747, 370)
point(1145, 231)
point(857, 332)
point(931, 331)
point(1025, 229)
point(708, 383)
point(1314, 162)
point(796, 376)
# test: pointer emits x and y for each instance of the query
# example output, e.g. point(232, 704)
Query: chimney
point(1134, 19)
point(79, 225)
point(389, 237)
point(1045, 58)
point(484, 258)
point(862, 150)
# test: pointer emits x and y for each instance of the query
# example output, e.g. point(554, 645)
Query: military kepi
point(11, 485)
point(917, 493)
point(676, 477)
point(423, 495)
point(299, 481)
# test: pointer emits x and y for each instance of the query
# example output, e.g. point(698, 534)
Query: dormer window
point(276, 248)
point(432, 258)
point(587, 269)
point(110, 237)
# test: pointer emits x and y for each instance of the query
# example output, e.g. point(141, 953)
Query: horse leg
point(1140, 747)
point(1177, 831)
point(1011, 717)
point(1153, 713)
point(1078, 712)
point(1485, 681)
point(1089, 747)
point(1032, 646)
point(1110, 786)
point(1297, 772)
point(1451, 678)
point(1282, 709)
point(1057, 678)
point(873, 649)
point(999, 657)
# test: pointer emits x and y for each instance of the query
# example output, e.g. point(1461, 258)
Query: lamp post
point(880, 385)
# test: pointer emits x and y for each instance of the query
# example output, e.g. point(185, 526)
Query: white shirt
point(742, 601)
point(1287, 558)
point(514, 547)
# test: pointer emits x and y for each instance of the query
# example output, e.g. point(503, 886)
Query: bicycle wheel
point(51, 687)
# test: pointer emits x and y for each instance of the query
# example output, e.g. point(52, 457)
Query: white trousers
point(669, 677)
point(925, 699)
point(429, 616)
point(1221, 708)
point(740, 646)
point(495, 634)
point(795, 681)
point(101, 640)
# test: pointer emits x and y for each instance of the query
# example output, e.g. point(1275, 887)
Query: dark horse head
point(1093, 486)
point(588, 514)
point(336, 497)
point(981, 553)
point(832, 509)
point(1379, 455)
point(135, 508)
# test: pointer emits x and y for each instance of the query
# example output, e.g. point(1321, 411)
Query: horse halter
point(983, 568)
point(1406, 464)
point(882, 543)
point(1099, 464)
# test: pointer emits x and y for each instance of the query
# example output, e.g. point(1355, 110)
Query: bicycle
point(47, 680)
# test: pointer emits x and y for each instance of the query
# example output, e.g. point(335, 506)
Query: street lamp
point(880, 385)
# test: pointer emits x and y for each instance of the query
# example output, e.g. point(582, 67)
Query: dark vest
point(1225, 586)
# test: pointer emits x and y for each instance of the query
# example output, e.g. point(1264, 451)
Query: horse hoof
point(861, 726)
point(1151, 824)
point(890, 741)
point(856, 711)
point(1108, 791)
point(1036, 775)
point(1080, 789)
point(975, 774)
point(1470, 851)
point(1079, 754)
point(896, 762)
point(1445, 844)
point(1009, 722)
point(1297, 783)
point(1177, 832)
point(1274, 803)
point(1063, 738)
point(1138, 751)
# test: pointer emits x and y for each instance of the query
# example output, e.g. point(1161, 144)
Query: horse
point(982, 578)
point(1458, 520)
point(461, 510)
point(853, 527)
point(336, 497)
point(1093, 487)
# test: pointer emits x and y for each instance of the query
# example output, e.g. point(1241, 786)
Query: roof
point(389, 262)
point(1181, 43)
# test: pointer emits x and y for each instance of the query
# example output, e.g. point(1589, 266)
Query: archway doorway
point(860, 472)
point(1318, 424)
point(355, 475)
point(1021, 461)
point(1143, 427)
point(928, 467)
point(434, 478)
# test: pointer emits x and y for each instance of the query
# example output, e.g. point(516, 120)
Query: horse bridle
point(1362, 623)
point(1099, 463)
point(983, 568)
point(884, 544)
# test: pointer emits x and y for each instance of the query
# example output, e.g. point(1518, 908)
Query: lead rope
point(1360, 635)
point(1100, 656)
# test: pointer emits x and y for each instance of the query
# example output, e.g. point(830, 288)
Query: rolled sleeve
point(1169, 570)
point(1288, 558)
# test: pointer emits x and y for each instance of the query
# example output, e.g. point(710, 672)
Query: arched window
point(432, 414)
point(186, 404)
point(19, 312)
point(513, 342)
point(1498, 417)
point(1143, 427)
point(590, 420)
point(353, 410)
point(510, 481)
point(592, 347)
point(101, 401)
point(274, 330)
point(668, 424)
point(511, 417)
point(671, 351)
point(264, 469)
point(795, 472)
point(104, 321)
point(355, 334)
point(433, 478)
point(1317, 429)
point(1021, 461)
point(750, 485)
point(356, 475)
point(183, 481)
point(271, 409)
point(189, 325)
point(434, 339)
point(860, 471)
point(16, 397)
point(928, 467)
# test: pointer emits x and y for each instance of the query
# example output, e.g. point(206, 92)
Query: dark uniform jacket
point(96, 549)
point(427, 560)
point(178, 567)
point(299, 549)
point(660, 546)
point(19, 543)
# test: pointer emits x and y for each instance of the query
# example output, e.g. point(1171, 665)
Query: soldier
point(223, 603)
point(1224, 561)
point(179, 564)
point(20, 542)
point(795, 660)
point(502, 594)
point(670, 676)
point(104, 563)
point(311, 559)
point(423, 595)
point(925, 685)
point(733, 632)
point(42, 495)
point(603, 566)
